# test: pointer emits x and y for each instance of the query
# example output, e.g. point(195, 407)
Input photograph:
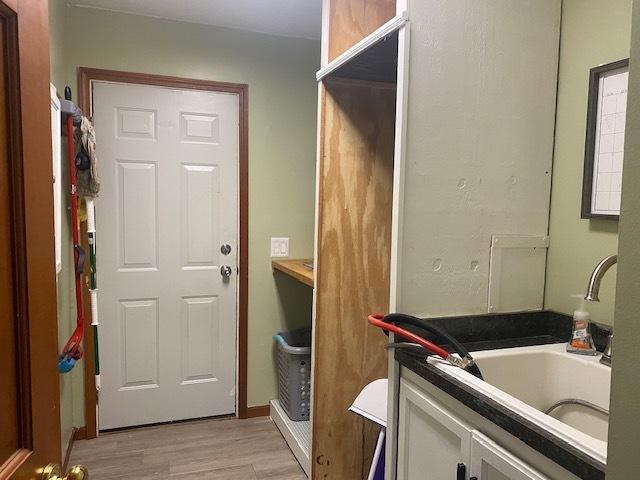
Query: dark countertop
point(495, 331)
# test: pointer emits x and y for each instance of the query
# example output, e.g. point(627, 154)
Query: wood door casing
point(26, 202)
point(353, 269)
point(86, 76)
point(8, 379)
point(168, 200)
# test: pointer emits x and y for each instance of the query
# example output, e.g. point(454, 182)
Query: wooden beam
point(353, 269)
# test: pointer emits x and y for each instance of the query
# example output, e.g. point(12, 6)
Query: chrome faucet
point(596, 277)
point(593, 290)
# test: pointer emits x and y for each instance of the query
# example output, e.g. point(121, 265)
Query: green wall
point(623, 458)
point(282, 138)
point(594, 32)
point(71, 384)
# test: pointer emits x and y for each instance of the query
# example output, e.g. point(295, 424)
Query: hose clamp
point(463, 363)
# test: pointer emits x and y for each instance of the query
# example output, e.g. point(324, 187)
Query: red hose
point(377, 319)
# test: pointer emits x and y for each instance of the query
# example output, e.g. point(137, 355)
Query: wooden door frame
point(31, 198)
point(85, 77)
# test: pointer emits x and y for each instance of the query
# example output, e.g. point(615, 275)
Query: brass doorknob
point(52, 472)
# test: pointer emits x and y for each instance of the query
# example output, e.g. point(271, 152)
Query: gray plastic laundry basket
point(294, 372)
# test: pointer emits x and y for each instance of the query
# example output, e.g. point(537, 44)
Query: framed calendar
point(604, 146)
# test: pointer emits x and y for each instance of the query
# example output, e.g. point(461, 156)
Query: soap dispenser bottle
point(581, 341)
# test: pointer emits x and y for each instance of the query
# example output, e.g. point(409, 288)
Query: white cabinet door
point(490, 461)
point(433, 444)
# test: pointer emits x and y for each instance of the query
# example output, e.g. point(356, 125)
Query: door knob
point(225, 271)
point(52, 472)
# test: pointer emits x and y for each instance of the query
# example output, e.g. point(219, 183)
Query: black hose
point(440, 333)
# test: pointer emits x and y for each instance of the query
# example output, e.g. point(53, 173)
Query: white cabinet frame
point(402, 99)
point(485, 452)
point(409, 396)
point(370, 40)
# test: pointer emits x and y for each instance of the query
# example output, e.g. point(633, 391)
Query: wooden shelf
point(374, 58)
point(295, 269)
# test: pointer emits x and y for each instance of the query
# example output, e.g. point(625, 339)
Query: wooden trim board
point(259, 411)
point(353, 269)
point(85, 77)
point(77, 433)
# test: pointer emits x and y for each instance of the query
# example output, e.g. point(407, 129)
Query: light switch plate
point(279, 246)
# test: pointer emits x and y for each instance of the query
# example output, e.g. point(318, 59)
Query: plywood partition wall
point(352, 20)
point(354, 240)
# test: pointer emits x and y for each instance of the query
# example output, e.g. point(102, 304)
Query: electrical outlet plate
point(279, 246)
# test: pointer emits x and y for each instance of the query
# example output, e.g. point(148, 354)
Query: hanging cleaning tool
point(86, 160)
point(388, 323)
point(93, 284)
point(72, 351)
point(88, 188)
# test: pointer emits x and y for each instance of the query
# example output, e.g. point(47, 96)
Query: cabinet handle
point(461, 472)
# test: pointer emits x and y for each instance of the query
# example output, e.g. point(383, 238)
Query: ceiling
point(287, 18)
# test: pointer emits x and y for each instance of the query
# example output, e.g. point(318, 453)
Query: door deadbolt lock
point(225, 271)
point(225, 249)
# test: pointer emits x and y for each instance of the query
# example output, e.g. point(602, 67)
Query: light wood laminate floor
point(214, 449)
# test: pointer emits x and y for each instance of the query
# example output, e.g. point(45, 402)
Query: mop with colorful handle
point(72, 351)
point(88, 189)
point(83, 182)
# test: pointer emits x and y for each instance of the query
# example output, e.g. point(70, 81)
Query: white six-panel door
point(168, 163)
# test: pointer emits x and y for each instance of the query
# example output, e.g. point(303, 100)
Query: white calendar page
point(609, 144)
